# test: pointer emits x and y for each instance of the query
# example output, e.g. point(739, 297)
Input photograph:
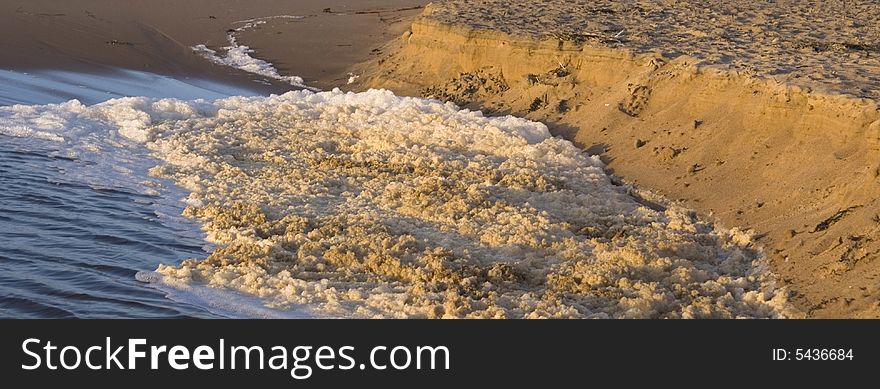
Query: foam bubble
point(221, 302)
point(375, 205)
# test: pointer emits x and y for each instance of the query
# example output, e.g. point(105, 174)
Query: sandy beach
point(827, 46)
point(701, 159)
point(761, 116)
point(157, 36)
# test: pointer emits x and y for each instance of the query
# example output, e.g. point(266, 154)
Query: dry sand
point(761, 115)
point(832, 46)
point(157, 36)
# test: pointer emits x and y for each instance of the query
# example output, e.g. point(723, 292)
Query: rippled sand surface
point(832, 46)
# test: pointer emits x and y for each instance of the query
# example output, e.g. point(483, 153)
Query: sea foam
point(239, 56)
point(374, 205)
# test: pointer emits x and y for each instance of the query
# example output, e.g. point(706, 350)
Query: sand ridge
point(831, 46)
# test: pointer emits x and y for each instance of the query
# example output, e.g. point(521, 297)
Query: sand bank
point(761, 116)
point(829, 46)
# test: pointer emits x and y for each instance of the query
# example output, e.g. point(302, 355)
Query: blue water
point(57, 86)
point(74, 231)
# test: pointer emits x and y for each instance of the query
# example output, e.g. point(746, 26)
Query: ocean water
point(57, 86)
point(197, 200)
point(71, 249)
point(79, 216)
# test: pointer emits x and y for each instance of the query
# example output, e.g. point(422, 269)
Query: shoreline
point(96, 36)
point(71, 50)
point(795, 167)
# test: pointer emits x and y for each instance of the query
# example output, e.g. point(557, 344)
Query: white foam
point(249, 23)
point(374, 205)
point(20, 131)
point(222, 302)
point(239, 56)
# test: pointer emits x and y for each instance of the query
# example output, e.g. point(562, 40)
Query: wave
point(374, 205)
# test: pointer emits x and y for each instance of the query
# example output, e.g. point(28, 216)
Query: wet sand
point(157, 36)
